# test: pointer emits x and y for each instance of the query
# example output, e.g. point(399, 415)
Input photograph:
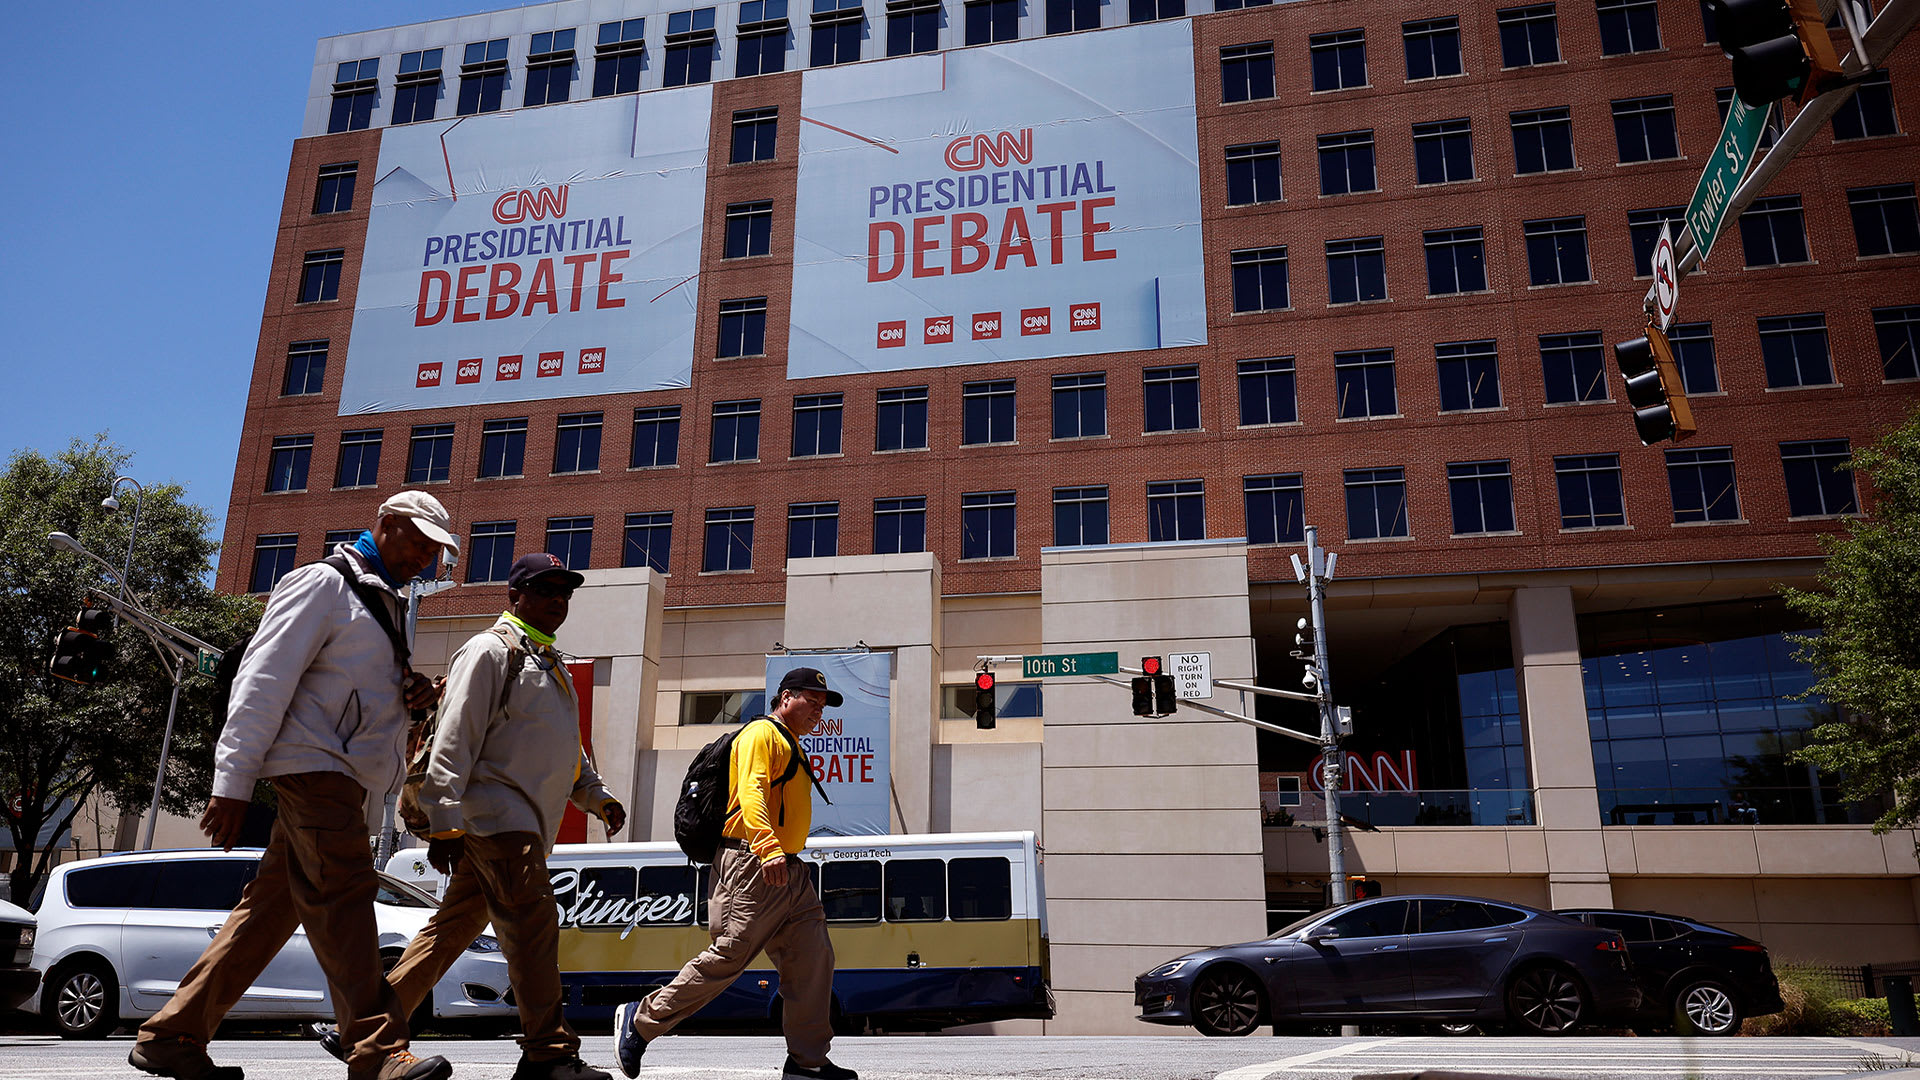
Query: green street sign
point(1059, 664)
point(206, 662)
point(1738, 138)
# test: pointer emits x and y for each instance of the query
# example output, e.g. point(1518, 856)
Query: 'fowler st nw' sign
point(1738, 138)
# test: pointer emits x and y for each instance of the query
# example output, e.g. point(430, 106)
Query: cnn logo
point(892, 335)
point(428, 375)
point(593, 361)
point(507, 369)
point(986, 326)
point(468, 371)
point(551, 364)
point(1036, 320)
point(939, 330)
point(1086, 317)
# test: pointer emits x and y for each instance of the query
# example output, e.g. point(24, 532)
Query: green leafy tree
point(60, 743)
point(1868, 648)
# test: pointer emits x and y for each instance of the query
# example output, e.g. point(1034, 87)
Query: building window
point(576, 443)
point(813, 530)
point(836, 31)
point(986, 413)
point(272, 559)
point(483, 77)
point(1364, 384)
point(1557, 251)
point(1481, 493)
point(1356, 270)
point(1770, 128)
point(570, 539)
point(1433, 47)
point(359, 464)
point(287, 465)
point(1080, 405)
point(656, 437)
point(763, 38)
point(1542, 141)
point(549, 67)
point(1276, 511)
point(1469, 375)
point(1529, 36)
point(1773, 231)
point(1869, 112)
point(1376, 503)
point(816, 425)
point(1794, 348)
point(355, 84)
point(913, 26)
point(647, 541)
point(1246, 72)
point(1898, 331)
point(320, 275)
point(691, 44)
point(899, 525)
point(492, 554)
point(986, 525)
point(306, 368)
point(1172, 397)
point(1819, 478)
point(900, 419)
point(736, 431)
point(1267, 392)
point(416, 91)
point(1253, 173)
point(1628, 26)
point(503, 448)
point(1574, 367)
point(1590, 491)
point(619, 56)
point(1260, 280)
point(1693, 351)
point(753, 135)
point(1885, 221)
point(743, 327)
point(1346, 162)
point(729, 540)
point(336, 537)
point(1066, 16)
point(989, 21)
point(429, 453)
point(1176, 510)
point(1456, 261)
point(1643, 129)
point(1079, 516)
point(1443, 151)
point(1702, 485)
point(334, 193)
point(1339, 59)
point(749, 230)
point(1148, 10)
point(1644, 228)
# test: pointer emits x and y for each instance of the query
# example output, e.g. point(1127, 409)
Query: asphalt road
point(708, 1057)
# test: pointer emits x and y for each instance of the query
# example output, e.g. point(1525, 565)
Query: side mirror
point(1323, 932)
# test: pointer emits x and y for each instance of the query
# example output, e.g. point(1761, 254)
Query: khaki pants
point(317, 872)
point(745, 916)
point(502, 878)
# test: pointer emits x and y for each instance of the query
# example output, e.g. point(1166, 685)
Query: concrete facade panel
point(1165, 877)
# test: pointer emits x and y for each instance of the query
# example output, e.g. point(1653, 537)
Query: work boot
point(826, 1070)
point(402, 1065)
point(566, 1068)
point(181, 1058)
point(330, 1042)
point(628, 1044)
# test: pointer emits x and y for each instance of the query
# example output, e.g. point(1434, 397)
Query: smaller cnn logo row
point(508, 368)
point(938, 329)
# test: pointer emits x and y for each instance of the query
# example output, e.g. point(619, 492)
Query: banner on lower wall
point(531, 254)
point(849, 750)
point(1030, 199)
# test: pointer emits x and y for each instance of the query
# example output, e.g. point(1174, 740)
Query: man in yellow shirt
point(762, 899)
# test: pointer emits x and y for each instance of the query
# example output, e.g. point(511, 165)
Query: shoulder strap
point(377, 607)
point(796, 760)
point(516, 662)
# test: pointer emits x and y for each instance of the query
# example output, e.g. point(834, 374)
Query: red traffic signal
point(983, 711)
point(983, 681)
point(1150, 665)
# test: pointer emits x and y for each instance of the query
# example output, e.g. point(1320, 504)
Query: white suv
point(117, 934)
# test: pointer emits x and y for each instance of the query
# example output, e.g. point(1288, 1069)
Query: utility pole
point(1315, 573)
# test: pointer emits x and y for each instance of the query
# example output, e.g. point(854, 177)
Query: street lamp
point(111, 504)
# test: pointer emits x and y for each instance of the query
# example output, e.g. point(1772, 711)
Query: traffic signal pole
point(1332, 762)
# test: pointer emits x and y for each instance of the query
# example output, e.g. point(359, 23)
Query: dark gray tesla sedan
point(1402, 959)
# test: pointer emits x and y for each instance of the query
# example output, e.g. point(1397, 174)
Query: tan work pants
point(317, 872)
point(745, 916)
point(502, 878)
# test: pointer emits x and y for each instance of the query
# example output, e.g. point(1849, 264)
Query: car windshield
point(1300, 924)
point(400, 894)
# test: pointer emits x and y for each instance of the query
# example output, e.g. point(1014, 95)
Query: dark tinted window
point(202, 884)
point(850, 891)
point(1385, 919)
point(916, 890)
point(1504, 916)
point(127, 885)
point(1442, 916)
point(1631, 927)
point(670, 887)
point(398, 894)
point(979, 889)
point(1667, 929)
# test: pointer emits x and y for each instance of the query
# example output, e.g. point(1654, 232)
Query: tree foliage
point(1868, 648)
point(60, 743)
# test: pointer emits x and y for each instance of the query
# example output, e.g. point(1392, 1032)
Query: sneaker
point(330, 1042)
point(402, 1065)
point(628, 1045)
point(567, 1068)
point(181, 1058)
point(826, 1070)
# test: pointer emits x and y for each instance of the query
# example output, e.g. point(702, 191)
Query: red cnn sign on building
point(429, 375)
point(986, 326)
point(551, 364)
point(1036, 320)
point(507, 369)
point(468, 371)
point(939, 330)
point(1086, 317)
point(593, 361)
point(892, 335)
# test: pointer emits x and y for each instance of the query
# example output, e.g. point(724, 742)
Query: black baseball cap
point(806, 678)
point(541, 565)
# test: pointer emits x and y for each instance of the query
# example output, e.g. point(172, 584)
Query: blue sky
point(147, 148)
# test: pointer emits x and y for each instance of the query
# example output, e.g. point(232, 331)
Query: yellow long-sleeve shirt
point(773, 823)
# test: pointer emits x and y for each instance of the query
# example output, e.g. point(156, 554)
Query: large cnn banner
point(1031, 199)
point(536, 253)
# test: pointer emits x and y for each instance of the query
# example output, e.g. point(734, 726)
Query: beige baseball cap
point(428, 516)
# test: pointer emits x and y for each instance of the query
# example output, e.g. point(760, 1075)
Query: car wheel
point(1468, 1028)
point(1227, 1001)
point(1546, 1001)
point(1706, 1007)
point(81, 1000)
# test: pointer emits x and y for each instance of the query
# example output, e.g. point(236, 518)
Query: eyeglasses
point(548, 590)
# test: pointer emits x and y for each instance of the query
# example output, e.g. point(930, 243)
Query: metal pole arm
point(164, 634)
point(1224, 714)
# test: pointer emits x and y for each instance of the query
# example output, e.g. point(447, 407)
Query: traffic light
point(983, 700)
point(1153, 692)
point(1654, 389)
point(78, 652)
point(1779, 48)
point(1360, 888)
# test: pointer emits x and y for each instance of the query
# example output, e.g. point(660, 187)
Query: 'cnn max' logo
point(467, 371)
point(891, 335)
point(513, 207)
point(939, 329)
point(593, 361)
point(1085, 317)
point(551, 364)
point(972, 152)
point(428, 375)
point(1036, 320)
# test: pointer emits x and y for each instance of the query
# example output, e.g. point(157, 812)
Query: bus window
point(850, 891)
point(672, 890)
point(916, 890)
point(980, 889)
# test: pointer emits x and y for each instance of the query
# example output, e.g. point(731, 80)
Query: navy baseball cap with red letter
point(806, 678)
point(541, 565)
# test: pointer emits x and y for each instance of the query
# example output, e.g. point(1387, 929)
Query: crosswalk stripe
point(1268, 1068)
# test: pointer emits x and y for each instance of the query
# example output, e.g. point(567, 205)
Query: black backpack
point(701, 813)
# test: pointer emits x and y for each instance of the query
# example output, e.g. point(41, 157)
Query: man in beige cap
point(320, 708)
